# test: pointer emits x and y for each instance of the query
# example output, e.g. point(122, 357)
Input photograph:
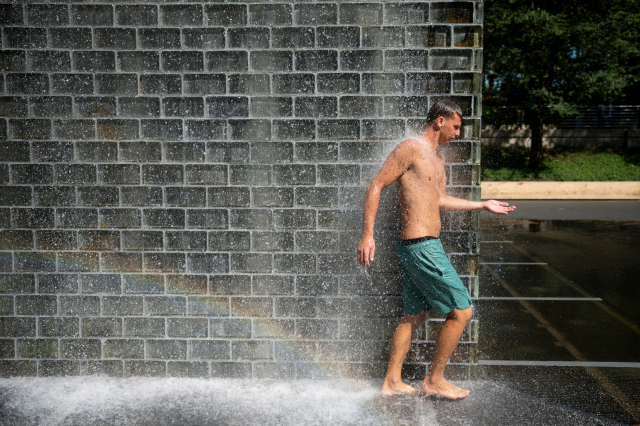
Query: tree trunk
point(536, 124)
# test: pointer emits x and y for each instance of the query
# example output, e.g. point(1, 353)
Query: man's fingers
point(371, 253)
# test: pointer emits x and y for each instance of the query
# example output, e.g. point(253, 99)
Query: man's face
point(449, 129)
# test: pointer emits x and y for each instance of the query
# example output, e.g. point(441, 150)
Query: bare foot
point(443, 388)
point(395, 386)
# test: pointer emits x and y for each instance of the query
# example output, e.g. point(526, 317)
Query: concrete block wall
point(182, 184)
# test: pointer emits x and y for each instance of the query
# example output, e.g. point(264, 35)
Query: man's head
point(446, 118)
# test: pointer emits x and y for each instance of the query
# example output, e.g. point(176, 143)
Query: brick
point(92, 15)
point(406, 60)
point(102, 368)
point(316, 14)
point(248, 38)
point(209, 306)
point(98, 196)
point(231, 369)
point(183, 107)
point(161, 84)
point(466, 83)
point(383, 37)
point(159, 38)
point(181, 15)
point(250, 218)
point(225, 15)
point(230, 328)
point(79, 305)
point(58, 327)
point(74, 129)
point(207, 219)
point(99, 240)
point(428, 83)
point(122, 174)
point(56, 240)
point(37, 348)
point(206, 174)
point(361, 60)
point(70, 38)
point(361, 14)
point(182, 61)
point(317, 329)
point(163, 305)
point(141, 151)
point(185, 197)
point(123, 348)
point(295, 307)
point(228, 152)
point(144, 327)
point(317, 60)
point(229, 197)
point(229, 240)
point(122, 305)
point(204, 38)
point(94, 61)
point(78, 262)
point(25, 262)
point(162, 174)
point(136, 15)
point(187, 284)
point(294, 263)
point(452, 12)
point(31, 174)
point(139, 107)
point(317, 241)
point(228, 106)
point(293, 83)
point(468, 36)
point(33, 218)
point(250, 84)
point(57, 152)
point(145, 368)
point(187, 327)
point(187, 241)
point(117, 84)
point(273, 284)
point(208, 263)
point(341, 129)
point(251, 350)
point(120, 218)
point(406, 106)
point(17, 283)
point(49, 60)
point(29, 84)
point(49, 15)
point(56, 368)
point(77, 218)
point(162, 129)
point(339, 83)
point(121, 262)
point(252, 130)
point(227, 61)
point(14, 106)
point(72, 84)
point(203, 84)
point(138, 61)
point(271, 107)
point(26, 38)
point(36, 305)
point(406, 13)
point(164, 262)
point(294, 130)
point(382, 129)
point(450, 60)
point(16, 240)
point(428, 36)
point(51, 106)
point(142, 240)
point(271, 61)
point(294, 218)
point(141, 196)
point(13, 60)
point(338, 37)
point(11, 14)
point(292, 38)
point(294, 174)
point(210, 349)
point(17, 327)
point(188, 369)
point(273, 241)
point(272, 197)
point(101, 283)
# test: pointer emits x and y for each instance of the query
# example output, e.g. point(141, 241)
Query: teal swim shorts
point(429, 280)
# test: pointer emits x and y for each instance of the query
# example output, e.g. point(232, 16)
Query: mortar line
point(611, 388)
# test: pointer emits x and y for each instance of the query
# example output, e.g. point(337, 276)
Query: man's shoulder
point(408, 145)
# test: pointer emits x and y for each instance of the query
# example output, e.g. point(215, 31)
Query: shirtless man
point(429, 280)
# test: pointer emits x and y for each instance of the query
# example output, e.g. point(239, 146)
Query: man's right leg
point(400, 344)
point(446, 342)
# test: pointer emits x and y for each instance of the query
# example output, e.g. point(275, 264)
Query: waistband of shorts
point(433, 242)
point(412, 241)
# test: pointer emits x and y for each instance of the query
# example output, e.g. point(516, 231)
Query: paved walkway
point(574, 210)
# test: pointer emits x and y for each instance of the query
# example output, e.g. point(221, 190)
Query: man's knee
point(462, 315)
point(417, 320)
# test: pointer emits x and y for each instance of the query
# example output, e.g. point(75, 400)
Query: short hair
point(443, 108)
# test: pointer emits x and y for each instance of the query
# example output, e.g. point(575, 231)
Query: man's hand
point(366, 250)
point(497, 207)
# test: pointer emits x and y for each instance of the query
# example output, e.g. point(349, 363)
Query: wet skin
point(417, 167)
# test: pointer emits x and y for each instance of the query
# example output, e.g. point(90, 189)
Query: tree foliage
point(559, 54)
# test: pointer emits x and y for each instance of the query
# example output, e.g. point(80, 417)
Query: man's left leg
point(400, 344)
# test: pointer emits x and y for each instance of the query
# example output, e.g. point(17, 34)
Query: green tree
point(558, 54)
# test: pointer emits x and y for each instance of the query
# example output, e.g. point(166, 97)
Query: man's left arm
point(448, 203)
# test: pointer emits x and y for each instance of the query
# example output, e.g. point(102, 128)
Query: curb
point(561, 190)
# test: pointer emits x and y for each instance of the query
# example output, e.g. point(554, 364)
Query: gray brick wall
point(181, 184)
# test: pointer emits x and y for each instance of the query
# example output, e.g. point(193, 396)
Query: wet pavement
point(559, 285)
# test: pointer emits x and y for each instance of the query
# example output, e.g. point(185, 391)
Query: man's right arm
point(396, 164)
